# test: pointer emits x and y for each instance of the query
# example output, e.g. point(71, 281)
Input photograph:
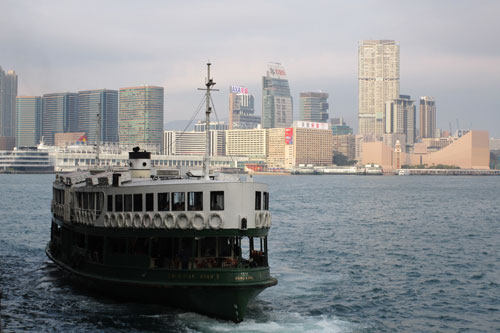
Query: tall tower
point(427, 117)
point(141, 115)
point(378, 82)
point(90, 103)
point(400, 116)
point(313, 107)
point(277, 105)
point(29, 117)
point(8, 93)
point(59, 115)
point(241, 109)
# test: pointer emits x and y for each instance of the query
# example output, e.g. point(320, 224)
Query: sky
point(448, 49)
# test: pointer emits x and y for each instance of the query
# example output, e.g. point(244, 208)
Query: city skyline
point(445, 58)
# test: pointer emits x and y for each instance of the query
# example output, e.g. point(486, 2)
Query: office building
point(277, 105)
point(246, 142)
point(141, 115)
point(94, 102)
point(8, 93)
point(339, 127)
point(427, 117)
point(313, 106)
point(193, 143)
point(400, 118)
point(59, 115)
point(241, 109)
point(378, 82)
point(29, 120)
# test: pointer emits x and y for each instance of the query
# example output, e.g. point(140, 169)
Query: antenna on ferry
point(206, 160)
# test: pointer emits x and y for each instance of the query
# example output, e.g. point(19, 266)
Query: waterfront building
point(214, 126)
point(400, 114)
point(378, 82)
point(494, 144)
point(59, 115)
point(246, 142)
point(344, 144)
point(427, 117)
point(280, 147)
point(313, 106)
point(193, 143)
point(141, 115)
point(94, 102)
point(277, 104)
point(29, 120)
point(339, 127)
point(241, 109)
point(8, 93)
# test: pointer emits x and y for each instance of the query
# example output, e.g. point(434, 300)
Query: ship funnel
point(139, 163)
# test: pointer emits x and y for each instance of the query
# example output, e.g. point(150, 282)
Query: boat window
point(150, 202)
point(79, 199)
point(195, 201)
point(117, 245)
point(163, 202)
point(138, 202)
point(208, 247)
point(91, 200)
point(127, 203)
point(110, 203)
point(266, 200)
point(258, 200)
point(138, 246)
point(119, 203)
point(217, 200)
point(178, 201)
point(85, 196)
point(99, 202)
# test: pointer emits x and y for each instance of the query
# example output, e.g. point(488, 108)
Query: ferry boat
point(196, 241)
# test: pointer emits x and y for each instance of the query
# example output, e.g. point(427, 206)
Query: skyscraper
point(141, 115)
point(427, 117)
point(8, 93)
point(378, 82)
point(277, 105)
point(241, 109)
point(313, 107)
point(400, 118)
point(29, 117)
point(59, 115)
point(90, 103)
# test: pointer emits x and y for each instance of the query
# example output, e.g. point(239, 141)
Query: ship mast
point(98, 135)
point(206, 160)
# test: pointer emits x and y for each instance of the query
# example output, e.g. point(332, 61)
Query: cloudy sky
point(449, 50)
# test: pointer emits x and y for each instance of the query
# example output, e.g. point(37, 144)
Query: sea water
point(351, 254)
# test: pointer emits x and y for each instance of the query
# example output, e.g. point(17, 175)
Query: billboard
point(288, 136)
point(238, 90)
point(275, 70)
point(309, 124)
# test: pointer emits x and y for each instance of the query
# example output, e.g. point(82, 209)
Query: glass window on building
point(195, 201)
point(164, 202)
point(178, 201)
point(217, 200)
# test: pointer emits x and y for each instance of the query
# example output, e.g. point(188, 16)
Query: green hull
point(222, 293)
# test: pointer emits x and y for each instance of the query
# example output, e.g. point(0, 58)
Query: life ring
point(257, 220)
point(146, 220)
point(92, 217)
point(198, 222)
point(268, 220)
point(182, 221)
point(77, 216)
point(128, 220)
point(112, 220)
point(106, 220)
point(262, 220)
point(120, 220)
point(137, 221)
point(157, 220)
point(169, 221)
point(215, 221)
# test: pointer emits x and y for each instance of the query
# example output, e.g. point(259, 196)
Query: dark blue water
point(351, 253)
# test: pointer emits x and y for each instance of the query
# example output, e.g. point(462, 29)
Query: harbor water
point(351, 254)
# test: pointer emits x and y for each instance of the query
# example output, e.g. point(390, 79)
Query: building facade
point(241, 109)
point(59, 115)
point(313, 106)
point(141, 115)
point(378, 82)
point(400, 118)
point(427, 117)
point(193, 143)
point(29, 120)
point(339, 127)
point(8, 93)
point(214, 126)
point(345, 145)
point(246, 142)
point(277, 104)
point(94, 102)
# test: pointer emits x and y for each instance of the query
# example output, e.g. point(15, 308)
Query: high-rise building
point(29, 120)
point(339, 127)
point(246, 142)
point(59, 115)
point(277, 105)
point(141, 115)
point(8, 93)
point(241, 109)
point(400, 116)
point(313, 106)
point(427, 117)
point(90, 104)
point(378, 82)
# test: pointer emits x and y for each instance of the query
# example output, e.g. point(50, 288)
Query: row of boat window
point(58, 195)
point(90, 200)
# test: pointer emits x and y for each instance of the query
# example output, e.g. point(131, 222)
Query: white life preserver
point(112, 220)
point(106, 220)
point(147, 221)
point(128, 220)
point(268, 220)
point(198, 222)
point(215, 221)
point(157, 220)
point(182, 221)
point(169, 221)
point(257, 220)
point(120, 220)
point(92, 217)
point(262, 220)
point(137, 220)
